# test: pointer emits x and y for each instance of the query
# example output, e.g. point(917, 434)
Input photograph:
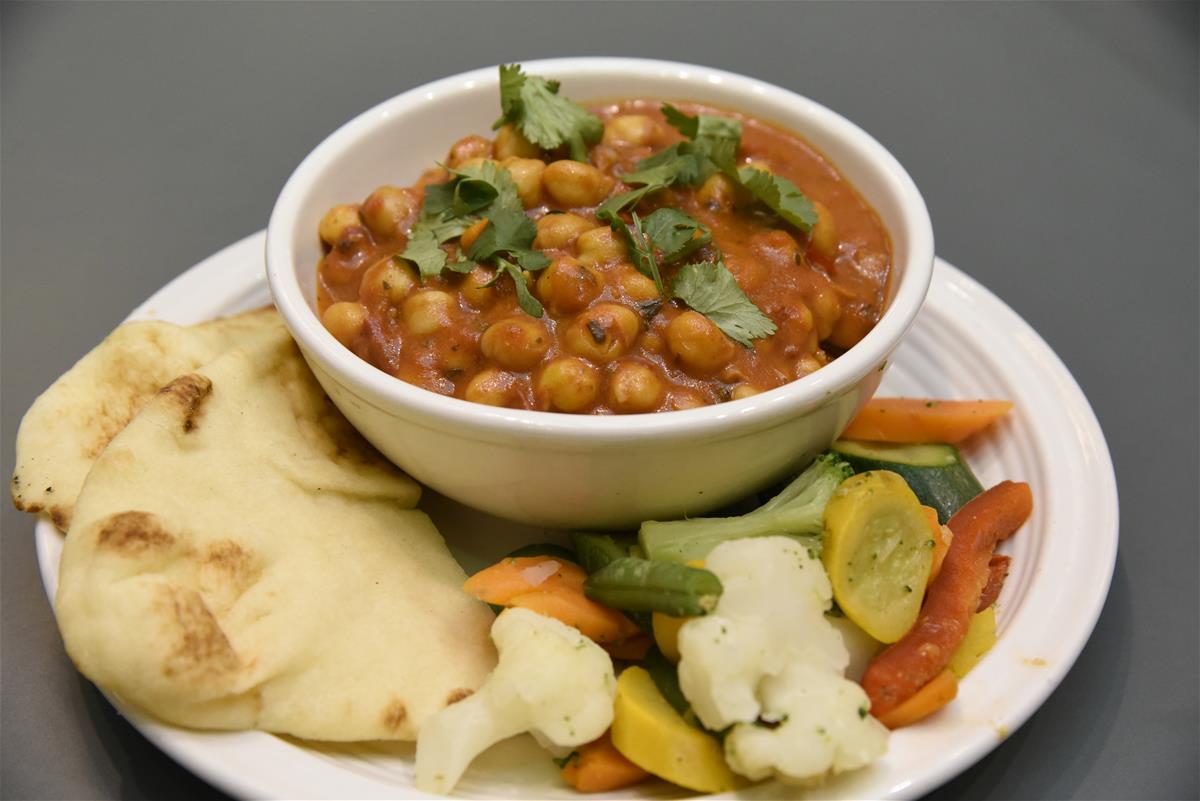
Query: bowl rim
point(768, 408)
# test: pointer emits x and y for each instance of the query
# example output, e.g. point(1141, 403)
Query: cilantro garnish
point(709, 288)
point(714, 138)
point(675, 234)
point(508, 240)
point(472, 193)
point(642, 251)
point(781, 195)
point(532, 103)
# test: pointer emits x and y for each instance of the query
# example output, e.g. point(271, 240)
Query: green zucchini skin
point(936, 472)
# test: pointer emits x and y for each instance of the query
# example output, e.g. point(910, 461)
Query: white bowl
point(574, 471)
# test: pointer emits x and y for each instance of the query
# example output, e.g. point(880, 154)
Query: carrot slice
point(518, 575)
point(631, 649)
point(941, 537)
point(997, 573)
point(918, 420)
point(598, 767)
point(927, 700)
point(595, 621)
point(915, 659)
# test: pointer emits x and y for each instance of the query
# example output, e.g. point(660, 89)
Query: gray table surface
point(1056, 145)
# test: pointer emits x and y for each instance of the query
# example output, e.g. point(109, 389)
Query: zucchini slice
point(936, 472)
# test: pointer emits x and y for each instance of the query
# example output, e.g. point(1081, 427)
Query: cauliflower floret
point(550, 681)
point(822, 726)
point(768, 662)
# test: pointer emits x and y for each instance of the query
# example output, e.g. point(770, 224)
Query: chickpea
point(527, 175)
point(807, 363)
point(600, 246)
point(461, 355)
point(686, 399)
point(345, 320)
point(476, 161)
point(824, 237)
point(574, 184)
point(517, 343)
point(471, 234)
point(698, 343)
point(427, 311)
point(390, 211)
point(742, 391)
point(337, 223)
point(473, 289)
point(629, 130)
point(637, 287)
point(826, 309)
point(719, 192)
point(491, 386)
point(387, 280)
point(468, 147)
point(634, 387)
point(566, 286)
point(510, 142)
point(568, 384)
point(603, 332)
point(555, 230)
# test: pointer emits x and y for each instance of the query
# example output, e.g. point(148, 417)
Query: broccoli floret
point(797, 512)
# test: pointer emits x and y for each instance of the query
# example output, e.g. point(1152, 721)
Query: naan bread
point(240, 558)
point(70, 423)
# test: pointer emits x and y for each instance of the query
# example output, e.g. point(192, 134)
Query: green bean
point(666, 678)
point(544, 549)
point(646, 586)
point(596, 550)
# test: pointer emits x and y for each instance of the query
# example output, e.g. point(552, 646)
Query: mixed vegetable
point(781, 643)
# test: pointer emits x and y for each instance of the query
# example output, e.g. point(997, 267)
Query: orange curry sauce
point(604, 345)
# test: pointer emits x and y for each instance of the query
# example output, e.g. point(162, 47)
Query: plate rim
point(209, 754)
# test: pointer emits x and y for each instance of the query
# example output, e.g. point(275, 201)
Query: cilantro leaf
point(609, 209)
point(505, 231)
point(451, 207)
point(508, 238)
point(781, 195)
point(533, 104)
point(425, 251)
point(642, 251)
point(525, 299)
point(485, 185)
point(709, 288)
point(713, 137)
point(675, 234)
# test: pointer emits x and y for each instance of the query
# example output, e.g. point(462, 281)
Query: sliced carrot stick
point(915, 659)
point(596, 621)
point(598, 767)
point(918, 420)
point(941, 540)
point(927, 700)
point(997, 573)
point(631, 649)
point(513, 576)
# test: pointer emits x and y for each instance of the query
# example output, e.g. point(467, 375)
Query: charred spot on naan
point(189, 391)
point(132, 533)
point(201, 649)
point(457, 695)
point(394, 714)
point(225, 571)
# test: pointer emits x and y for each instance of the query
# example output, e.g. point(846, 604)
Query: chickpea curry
point(634, 257)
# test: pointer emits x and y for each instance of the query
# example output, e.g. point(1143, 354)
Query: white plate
point(965, 344)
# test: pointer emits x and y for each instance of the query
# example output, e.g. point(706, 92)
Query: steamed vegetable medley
point(782, 643)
